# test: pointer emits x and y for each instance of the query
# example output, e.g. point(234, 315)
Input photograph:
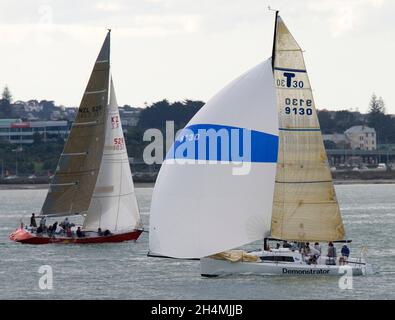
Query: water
point(123, 271)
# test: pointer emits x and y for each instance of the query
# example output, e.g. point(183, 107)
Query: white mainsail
point(200, 207)
point(305, 205)
point(114, 204)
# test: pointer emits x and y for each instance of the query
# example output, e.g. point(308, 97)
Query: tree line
point(340, 121)
point(42, 156)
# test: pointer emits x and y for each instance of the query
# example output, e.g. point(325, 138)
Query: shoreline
point(40, 186)
point(44, 186)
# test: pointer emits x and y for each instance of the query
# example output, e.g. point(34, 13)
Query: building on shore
point(22, 132)
point(356, 147)
point(356, 138)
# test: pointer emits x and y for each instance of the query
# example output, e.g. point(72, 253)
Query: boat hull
point(24, 236)
point(213, 267)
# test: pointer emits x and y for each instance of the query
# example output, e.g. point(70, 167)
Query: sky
point(190, 49)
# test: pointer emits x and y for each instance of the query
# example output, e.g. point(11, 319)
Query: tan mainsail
point(305, 205)
point(72, 186)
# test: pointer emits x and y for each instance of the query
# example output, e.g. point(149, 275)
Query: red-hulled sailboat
point(93, 176)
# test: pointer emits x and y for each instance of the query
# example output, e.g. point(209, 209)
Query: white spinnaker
point(114, 204)
point(201, 209)
point(305, 205)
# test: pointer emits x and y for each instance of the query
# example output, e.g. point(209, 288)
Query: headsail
point(305, 205)
point(72, 186)
point(201, 207)
point(114, 204)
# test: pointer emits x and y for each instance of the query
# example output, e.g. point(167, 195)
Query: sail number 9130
point(300, 111)
point(292, 104)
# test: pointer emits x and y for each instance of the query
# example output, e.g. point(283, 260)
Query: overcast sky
point(190, 49)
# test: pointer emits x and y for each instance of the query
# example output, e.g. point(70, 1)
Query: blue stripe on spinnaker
point(213, 142)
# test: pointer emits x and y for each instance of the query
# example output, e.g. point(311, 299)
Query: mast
point(274, 40)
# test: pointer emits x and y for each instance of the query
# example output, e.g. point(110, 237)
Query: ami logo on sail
point(223, 132)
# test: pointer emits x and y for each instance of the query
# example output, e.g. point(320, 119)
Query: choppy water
point(122, 271)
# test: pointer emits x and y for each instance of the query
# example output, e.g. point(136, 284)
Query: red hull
point(24, 236)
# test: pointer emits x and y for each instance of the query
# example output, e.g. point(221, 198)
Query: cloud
point(344, 16)
point(342, 20)
point(169, 23)
point(109, 6)
point(141, 26)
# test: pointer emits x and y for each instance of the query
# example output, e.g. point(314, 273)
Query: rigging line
point(88, 123)
point(114, 196)
point(63, 184)
point(74, 154)
point(153, 255)
point(61, 174)
point(94, 92)
point(295, 182)
point(295, 50)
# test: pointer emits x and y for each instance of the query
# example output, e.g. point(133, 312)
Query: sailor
point(306, 249)
point(286, 244)
point(99, 232)
point(79, 233)
point(54, 227)
point(59, 230)
point(314, 254)
point(318, 248)
point(66, 223)
point(107, 232)
point(50, 231)
point(68, 232)
point(345, 251)
point(331, 250)
point(33, 221)
point(331, 254)
point(39, 229)
point(43, 221)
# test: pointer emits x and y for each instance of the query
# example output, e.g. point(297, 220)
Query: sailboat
point(204, 205)
point(93, 176)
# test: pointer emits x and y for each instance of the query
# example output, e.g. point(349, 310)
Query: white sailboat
point(203, 208)
point(93, 177)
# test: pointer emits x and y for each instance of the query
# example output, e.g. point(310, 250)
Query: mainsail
point(71, 188)
point(114, 204)
point(201, 207)
point(305, 205)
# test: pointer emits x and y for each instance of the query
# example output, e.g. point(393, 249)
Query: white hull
point(214, 267)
